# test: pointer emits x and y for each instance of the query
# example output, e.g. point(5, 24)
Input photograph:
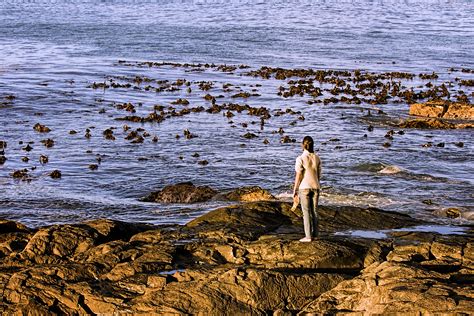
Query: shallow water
point(51, 51)
point(381, 234)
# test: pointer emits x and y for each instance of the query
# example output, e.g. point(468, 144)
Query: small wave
point(360, 199)
point(370, 167)
point(390, 170)
point(387, 169)
point(378, 167)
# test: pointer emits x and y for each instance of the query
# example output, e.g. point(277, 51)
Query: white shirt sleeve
point(299, 165)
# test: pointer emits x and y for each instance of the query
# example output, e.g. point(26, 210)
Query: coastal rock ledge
point(236, 260)
point(440, 115)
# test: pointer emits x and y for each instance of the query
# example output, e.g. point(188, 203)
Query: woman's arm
point(298, 179)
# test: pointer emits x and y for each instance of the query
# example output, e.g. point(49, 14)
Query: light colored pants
point(309, 202)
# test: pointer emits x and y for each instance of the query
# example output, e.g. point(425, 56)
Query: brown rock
point(427, 123)
point(241, 259)
point(391, 287)
point(443, 109)
point(185, 192)
point(41, 128)
point(246, 194)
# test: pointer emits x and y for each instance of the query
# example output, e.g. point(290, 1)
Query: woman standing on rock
point(306, 188)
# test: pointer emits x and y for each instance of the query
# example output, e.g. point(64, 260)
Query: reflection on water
point(48, 66)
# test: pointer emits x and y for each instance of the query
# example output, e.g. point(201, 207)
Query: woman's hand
point(296, 198)
point(296, 201)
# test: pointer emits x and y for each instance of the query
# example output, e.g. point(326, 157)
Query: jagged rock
point(236, 291)
point(391, 287)
point(443, 109)
point(241, 259)
point(185, 192)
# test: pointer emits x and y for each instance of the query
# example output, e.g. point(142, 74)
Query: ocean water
point(51, 52)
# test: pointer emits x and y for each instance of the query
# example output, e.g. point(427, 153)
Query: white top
point(310, 165)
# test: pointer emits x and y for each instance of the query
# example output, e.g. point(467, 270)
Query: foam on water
point(390, 170)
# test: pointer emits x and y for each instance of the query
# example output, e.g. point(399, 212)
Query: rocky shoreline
point(240, 259)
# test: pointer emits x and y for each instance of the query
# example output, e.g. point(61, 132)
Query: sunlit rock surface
point(241, 259)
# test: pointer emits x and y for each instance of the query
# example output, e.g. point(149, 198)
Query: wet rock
point(93, 167)
point(27, 148)
point(25, 159)
point(41, 128)
point(459, 144)
point(246, 194)
point(138, 140)
point(109, 134)
point(43, 159)
point(185, 192)
point(20, 174)
point(249, 135)
point(451, 212)
point(3, 159)
point(181, 101)
point(48, 143)
point(56, 174)
point(72, 132)
point(203, 162)
point(188, 134)
point(287, 139)
point(427, 124)
point(3, 144)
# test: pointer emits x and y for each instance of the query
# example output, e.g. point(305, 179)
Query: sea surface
point(52, 53)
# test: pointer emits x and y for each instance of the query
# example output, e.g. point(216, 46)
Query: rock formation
point(440, 115)
point(240, 259)
point(443, 109)
point(187, 192)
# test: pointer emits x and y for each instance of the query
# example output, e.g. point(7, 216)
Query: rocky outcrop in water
point(187, 192)
point(440, 115)
point(443, 109)
point(242, 259)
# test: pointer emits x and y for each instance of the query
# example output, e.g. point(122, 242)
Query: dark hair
point(308, 144)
